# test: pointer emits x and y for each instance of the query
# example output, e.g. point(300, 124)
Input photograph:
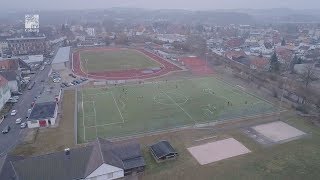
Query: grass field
point(48, 140)
point(115, 60)
point(295, 160)
point(127, 110)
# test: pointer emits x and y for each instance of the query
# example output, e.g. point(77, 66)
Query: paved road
point(8, 141)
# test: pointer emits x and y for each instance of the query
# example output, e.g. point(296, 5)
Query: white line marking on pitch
point(95, 117)
point(84, 127)
point(109, 124)
point(117, 107)
point(179, 106)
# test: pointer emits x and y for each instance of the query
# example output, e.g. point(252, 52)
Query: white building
point(32, 59)
point(3, 47)
point(4, 91)
point(90, 32)
point(61, 60)
point(170, 38)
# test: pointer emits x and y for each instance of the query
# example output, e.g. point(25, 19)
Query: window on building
point(110, 175)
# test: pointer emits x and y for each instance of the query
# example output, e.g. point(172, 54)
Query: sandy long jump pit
point(278, 131)
point(218, 150)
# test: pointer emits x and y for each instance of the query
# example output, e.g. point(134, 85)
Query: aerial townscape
point(132, 93)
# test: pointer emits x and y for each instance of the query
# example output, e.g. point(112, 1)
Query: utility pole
point(206, 63)
point(87, 68)
point(281, 99)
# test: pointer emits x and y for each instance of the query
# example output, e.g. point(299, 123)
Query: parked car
point(13, 112)
point(12, 100)
point(6, 130)
point(31, 85)
point(84, 79)
point(72, 75)
point(62, 86)
point(42, 68)
point(54, 74)
point(18, 121)
point(56, 80)
point(75, 82)
point(23, 125)
point(15, 97)
point(16, 93)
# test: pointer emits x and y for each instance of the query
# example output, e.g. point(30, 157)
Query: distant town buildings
point(90, 31)
point(27, 45)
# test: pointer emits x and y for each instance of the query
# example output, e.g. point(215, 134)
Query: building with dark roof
point(163, 151)
point(13, 79)
point(61, 59)
point(45, 107)
point(43, 114)
point(100, 159)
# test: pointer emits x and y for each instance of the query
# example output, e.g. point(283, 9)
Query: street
point(11, 139)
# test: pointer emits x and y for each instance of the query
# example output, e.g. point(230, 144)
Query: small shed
point(162, 151)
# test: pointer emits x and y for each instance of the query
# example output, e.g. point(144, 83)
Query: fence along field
point(121, 111)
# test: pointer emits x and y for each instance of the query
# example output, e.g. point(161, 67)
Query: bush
point(274, 93)
point(303, 109)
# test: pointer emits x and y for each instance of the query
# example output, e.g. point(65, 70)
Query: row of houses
point(24, 46)
point(11, 71)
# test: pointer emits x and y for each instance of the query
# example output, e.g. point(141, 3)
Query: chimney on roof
point(67, 151)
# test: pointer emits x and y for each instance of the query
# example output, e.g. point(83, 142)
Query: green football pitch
point(115, 60)
point(120, 111)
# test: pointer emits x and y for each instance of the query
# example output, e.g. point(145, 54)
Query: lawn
point(295, 160)
point(49, 140)
point(115, 60)
point(127, 110)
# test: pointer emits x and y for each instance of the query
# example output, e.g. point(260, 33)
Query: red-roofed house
point(5, 93)
point(235, 55)
point(284, 55)
point(9, 64)
point(259, 63)
point(234, 43)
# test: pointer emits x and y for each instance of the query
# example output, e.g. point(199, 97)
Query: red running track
point(198, 66)
point(123, 74)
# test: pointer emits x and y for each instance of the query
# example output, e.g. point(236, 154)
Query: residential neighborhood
point(169, 90)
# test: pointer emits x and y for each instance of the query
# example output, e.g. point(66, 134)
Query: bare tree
point(308, 75)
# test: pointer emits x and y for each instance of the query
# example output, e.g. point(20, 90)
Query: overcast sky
point(159, 4)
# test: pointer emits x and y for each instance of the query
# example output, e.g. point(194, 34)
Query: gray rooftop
point(80, 162)
point(62, 55)
point(43, 110)
point(162, 149)
point(54, 166)
point(9, 75)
